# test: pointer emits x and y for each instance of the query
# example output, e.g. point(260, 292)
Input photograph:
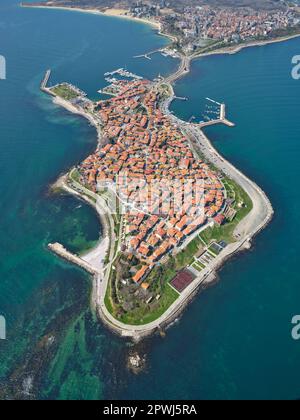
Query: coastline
point(69, 107)
point(95, 256)
point(208, 277)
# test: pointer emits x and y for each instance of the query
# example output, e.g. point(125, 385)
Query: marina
point(167, 52)
point(214, 115)
point(115, 83)
point(124, 73)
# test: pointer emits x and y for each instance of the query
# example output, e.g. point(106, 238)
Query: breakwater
point(62, 252)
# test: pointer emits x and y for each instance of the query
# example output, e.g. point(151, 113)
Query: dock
point(61, 251)
point(121, 72)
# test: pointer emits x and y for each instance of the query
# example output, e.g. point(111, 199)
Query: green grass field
point(65, 92)
point(144, 316)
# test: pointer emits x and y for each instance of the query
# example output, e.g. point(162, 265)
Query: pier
point(61, 251)
point(180, 98)
point(143, 56)
point(45, 80)
point(148, 54)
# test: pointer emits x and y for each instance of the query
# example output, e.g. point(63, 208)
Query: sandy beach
point(96, 256)
point(117, 13)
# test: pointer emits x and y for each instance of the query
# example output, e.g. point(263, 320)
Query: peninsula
point(174, 210)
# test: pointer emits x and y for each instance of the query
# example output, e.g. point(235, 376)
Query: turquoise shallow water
point(234, 340)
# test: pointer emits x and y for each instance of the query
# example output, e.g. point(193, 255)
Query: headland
point(182, 250)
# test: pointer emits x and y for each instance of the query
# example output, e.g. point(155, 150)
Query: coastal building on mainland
point(168, 193)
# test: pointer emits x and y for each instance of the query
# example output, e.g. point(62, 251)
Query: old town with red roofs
point(169, 192)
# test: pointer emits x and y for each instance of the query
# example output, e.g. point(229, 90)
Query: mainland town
point(204, 28)
point(198, 27)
